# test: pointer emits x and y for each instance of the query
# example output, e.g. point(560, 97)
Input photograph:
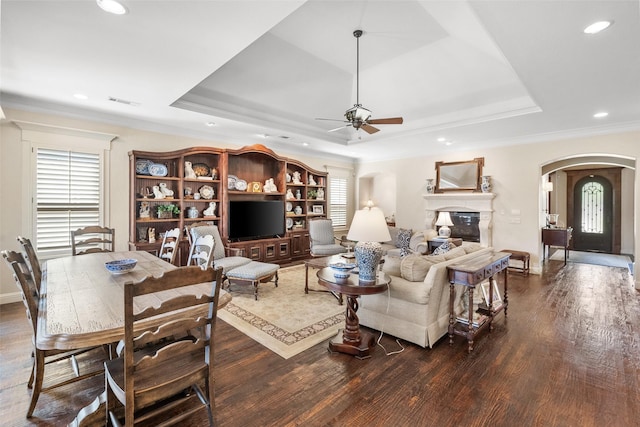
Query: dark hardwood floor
point(568, 355)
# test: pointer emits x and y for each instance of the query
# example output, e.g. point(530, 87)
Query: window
point(592, 205)
point(67, 197)
point(338, 201)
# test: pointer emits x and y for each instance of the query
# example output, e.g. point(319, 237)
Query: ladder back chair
point(169, 247)
point(226, 257)
point(201, 251)
point(31, 257)
point(151, 376)
point(31, 298)
point(94, 238)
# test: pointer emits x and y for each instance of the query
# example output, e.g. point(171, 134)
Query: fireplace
point(472, 208)
point(466, 226)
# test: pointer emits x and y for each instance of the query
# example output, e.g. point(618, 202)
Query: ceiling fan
point(359, 117)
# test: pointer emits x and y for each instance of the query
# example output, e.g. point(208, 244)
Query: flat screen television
point(255, 219)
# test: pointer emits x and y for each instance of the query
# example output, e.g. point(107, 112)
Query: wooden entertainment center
point(227, 175)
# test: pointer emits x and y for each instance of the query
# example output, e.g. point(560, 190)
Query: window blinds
point(338, 201)
point(67, 196)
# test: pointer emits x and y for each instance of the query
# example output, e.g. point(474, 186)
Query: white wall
point(515, 172)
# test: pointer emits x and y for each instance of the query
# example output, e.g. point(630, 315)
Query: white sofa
point(417, 242)
point(417, 311)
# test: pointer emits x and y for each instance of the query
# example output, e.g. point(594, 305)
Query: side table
point(351, 339)
point(471, 274)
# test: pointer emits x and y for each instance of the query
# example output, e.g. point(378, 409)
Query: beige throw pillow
point(391, 265)
point(414, 268)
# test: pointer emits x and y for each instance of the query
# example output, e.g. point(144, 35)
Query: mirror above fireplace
point(459, 176)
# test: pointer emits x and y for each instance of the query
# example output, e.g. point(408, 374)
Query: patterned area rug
point(609, 260)
point(285, 319)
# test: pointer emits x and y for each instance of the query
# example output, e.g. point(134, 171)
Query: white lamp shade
point(444, 218)
point(369, 225)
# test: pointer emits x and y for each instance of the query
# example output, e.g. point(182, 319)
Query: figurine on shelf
point(214, 173)
point(311, 180)
point(269, 186)
point(168, 194)
point(320, 194)
point(144, 210)
point(211, 210)
point(290, 195)
point(152, 235)
point(188, 171)
point(157, 194)
point(288, 177)
point(296, 178)
point(188, 193)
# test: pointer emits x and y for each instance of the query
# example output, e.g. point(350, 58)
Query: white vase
point(485, 185)
point(431, 187)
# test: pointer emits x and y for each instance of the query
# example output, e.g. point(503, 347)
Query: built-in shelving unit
point(224, 175)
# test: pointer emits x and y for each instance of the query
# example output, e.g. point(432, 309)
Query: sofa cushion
point(455, 253)
point(471, 247)
point(443, 248)
point(391, 265)
point(414, 268)
point(393, 232)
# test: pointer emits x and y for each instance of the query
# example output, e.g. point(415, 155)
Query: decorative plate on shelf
point(241, 185)
point(206, 192)
point(157, 169)
point(289, 223)
point(231, 182)
point(142, 166)
point(289, 207)
point(201, 169)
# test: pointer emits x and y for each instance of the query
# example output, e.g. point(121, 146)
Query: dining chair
point(31, 257)
point(170, 241)
point(201, 251)
point(95, 239)
point(31, 298)
point(155, 370)
point(322, 240)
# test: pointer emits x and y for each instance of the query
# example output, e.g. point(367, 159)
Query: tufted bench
point(253, 273)
point(519, 256)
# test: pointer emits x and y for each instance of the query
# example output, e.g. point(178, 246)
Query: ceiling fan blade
point(388, 121)
point(369, 129)
point(341, 127)
point(333, 120)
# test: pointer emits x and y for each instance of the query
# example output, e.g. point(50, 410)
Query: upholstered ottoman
point(253, 273)
point(519, 256)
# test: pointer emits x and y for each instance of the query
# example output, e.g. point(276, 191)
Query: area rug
point(609, 260)
point(285, 319)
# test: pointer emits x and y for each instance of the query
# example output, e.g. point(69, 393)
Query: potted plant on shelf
point(312, 194)
point(167, 211)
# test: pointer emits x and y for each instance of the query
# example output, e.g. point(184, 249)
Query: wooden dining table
point(82, 303)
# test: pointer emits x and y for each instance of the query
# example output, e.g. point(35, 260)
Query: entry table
point(352, 340)
point(556, 237)
point(471, 274)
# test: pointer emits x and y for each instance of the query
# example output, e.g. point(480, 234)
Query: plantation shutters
point(338, 201)
point(68, 196)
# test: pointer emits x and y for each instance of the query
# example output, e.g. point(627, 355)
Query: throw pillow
point(454, 253)
point(391, 265)
point(402, 241)
point(414, 268)
point(443, 248)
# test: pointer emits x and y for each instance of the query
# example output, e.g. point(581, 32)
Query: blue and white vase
point(431, 187)
point(485, 185)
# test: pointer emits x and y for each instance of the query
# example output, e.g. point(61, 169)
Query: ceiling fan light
point(112, 6)
point(357, 114)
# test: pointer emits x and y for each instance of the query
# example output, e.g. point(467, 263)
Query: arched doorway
point(593, 214)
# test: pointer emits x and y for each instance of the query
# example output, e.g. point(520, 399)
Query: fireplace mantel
point(462, 202)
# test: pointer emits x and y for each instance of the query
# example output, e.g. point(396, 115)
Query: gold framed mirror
point(459, 176)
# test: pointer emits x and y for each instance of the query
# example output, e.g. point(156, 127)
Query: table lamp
point(444, 221)
point(368, 228)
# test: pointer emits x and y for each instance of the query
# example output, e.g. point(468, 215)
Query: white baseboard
point(10, 297)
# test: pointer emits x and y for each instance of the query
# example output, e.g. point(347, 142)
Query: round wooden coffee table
point(351, 339)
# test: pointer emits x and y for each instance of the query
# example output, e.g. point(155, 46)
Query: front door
point(593, 214)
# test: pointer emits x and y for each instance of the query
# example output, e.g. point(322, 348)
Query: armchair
point(322, 240)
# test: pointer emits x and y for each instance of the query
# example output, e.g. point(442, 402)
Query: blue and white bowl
point(341, 269)
point(121, 266)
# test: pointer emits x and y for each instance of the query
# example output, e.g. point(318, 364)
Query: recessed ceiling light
point(448, 143)
point(210, 124)
point(306, 144)
point(80, 96)
point(112, 6)
point(596, 27)
point(442, 139)
point(600, 114)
